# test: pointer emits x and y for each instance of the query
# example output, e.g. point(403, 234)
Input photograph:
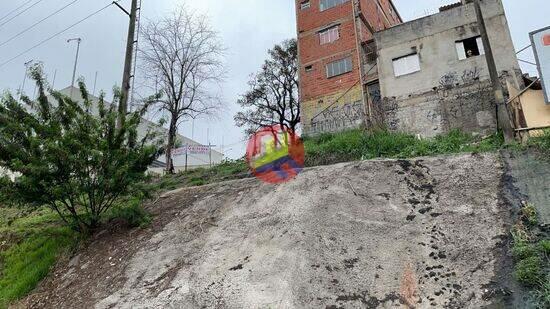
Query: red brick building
point(338, 74)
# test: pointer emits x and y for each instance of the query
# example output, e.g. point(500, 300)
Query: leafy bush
point(132, 212)
point(77, 164)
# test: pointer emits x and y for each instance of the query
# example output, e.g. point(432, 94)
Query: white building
point(194, 160)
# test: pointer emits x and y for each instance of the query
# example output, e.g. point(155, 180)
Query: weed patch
point(531, 252)
point(360, 145)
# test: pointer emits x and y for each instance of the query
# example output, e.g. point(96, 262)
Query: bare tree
point(273, 95)
point(183, 56)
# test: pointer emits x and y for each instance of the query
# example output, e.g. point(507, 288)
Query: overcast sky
point(247, 27)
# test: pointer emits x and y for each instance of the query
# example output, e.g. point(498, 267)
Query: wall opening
point(471, 47)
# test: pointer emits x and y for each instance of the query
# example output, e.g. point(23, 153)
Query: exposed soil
point(426, 233)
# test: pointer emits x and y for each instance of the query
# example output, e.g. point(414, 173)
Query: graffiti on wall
point(337, 117)
point(460, 100)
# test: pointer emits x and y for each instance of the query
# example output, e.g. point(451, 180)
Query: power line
point(16, 9)
point(14, 17)
point(37, 23)
point(56, 34)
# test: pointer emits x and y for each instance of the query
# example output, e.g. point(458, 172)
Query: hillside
point(429, 232)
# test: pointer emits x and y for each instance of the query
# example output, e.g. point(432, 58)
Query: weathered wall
point(535, 110)
point(447, 92)
point(336, 112)
point(469, 107)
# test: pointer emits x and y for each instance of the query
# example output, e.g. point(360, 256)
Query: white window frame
point(406, 65)
point(329, 35)
point(339, 67)
point(305, 5)
point(461, 51)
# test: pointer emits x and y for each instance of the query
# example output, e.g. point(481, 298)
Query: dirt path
point(374, 234)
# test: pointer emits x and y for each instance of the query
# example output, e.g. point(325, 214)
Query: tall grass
point(34, 243)
point(358, 144)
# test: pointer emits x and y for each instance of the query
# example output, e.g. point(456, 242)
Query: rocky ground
point(423, 233)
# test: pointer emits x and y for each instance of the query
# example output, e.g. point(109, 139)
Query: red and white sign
point(191, 149)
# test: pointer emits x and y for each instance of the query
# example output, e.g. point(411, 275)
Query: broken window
point(470, 48)
point(327, 4)
point(329, 35)
point(339, 67)
point(406, 65)
point(305, 5)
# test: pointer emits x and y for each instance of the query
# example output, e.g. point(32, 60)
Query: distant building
point(194, 160)
point(433, 72)
point(337, 56)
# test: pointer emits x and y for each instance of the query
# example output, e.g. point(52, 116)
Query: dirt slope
point(375, 234)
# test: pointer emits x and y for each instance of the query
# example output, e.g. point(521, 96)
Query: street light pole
point(503, 118)
point(78, 40)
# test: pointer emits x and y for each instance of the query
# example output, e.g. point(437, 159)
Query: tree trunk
point(170, 145)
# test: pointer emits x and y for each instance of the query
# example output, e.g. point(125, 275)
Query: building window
point(309, 68)
point(329, 35)
point(305, 5)
point(327, 4)
point(470, 48)
point(339, 67)
point(406, 65)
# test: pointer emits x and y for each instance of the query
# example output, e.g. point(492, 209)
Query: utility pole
point(78, 40)
point(503, 118)
point(123, 106)
point(27, 64)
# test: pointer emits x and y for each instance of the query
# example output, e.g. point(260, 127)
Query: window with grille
point(327, 4)
point(329, 35)
point(339, 67)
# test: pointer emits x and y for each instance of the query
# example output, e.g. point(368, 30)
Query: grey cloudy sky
point(247, 27)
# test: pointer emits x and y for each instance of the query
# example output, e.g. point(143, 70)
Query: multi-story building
point(337, 56)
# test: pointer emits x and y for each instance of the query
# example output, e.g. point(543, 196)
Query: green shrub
point(544, 246)
point(529, 271)
point(78, 164)
point(523, 251)
point(132, 213)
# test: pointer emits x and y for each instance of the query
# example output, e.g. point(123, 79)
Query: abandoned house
point(425, 77)
point(433, 72)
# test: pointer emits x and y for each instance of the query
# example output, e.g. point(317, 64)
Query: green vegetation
point(542, 143)
point(358, 144)
point(30, 244)
point(227, 170)
point(531, 252)
point(78, 164)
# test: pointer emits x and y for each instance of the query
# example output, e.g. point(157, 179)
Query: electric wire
point(18, 14)
point(37, 23)
point(16, 9)
point(55, 35)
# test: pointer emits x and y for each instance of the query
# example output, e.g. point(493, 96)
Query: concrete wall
point(447, 92)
